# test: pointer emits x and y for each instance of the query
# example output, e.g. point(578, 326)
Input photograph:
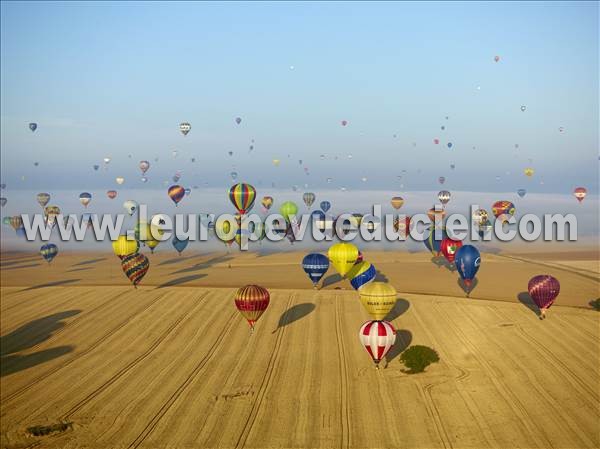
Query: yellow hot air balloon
point(397, 202)
point(152, 244)
point(123, 247)
point(378, 298)
point(276, 162)
point(529, 171)
point(343, 257)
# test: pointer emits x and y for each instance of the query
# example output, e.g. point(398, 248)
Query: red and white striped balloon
point(377, 337)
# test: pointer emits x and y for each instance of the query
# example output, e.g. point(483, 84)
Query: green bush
point(595, 303)
point(417, 358)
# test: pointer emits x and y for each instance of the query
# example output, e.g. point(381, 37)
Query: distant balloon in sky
point(441, 179)
point(3, 201)
point(33, 126)
point(242, 197)
point(238, 120)
point(185, 128)
point(188, 191)
point(523, 108)
point(144, 179)
point(176, 193)
point(329, 180)
point(521, 192)
point(503, 210)
point(344, 122)
point(96, 167)
point(35, 164)
point(322, 157)
point(325, 206)
point(496, 58)
point(112, 194)
point(233, 175)
point(397, 202)
point(144, 166)
point(309, 198)
point(444, 197)
point(120, 180)
point(230, 153)
point(267, 202)
point(276, 162)
point(449, 144)
point(580, 193)
point(130, 207)
point(85, 198)
point(43, 199)
point(442, 127)
point(561, 129)
point(452, 166)
point(106, 160)
point(436, 141)
point(363, 179)
point(529, 172)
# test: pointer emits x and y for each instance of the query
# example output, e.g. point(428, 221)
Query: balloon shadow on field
point(403, 340)
point(31, 265)
point(464, 288)
point(380, 277)
point(441, 261)
point(331, 279)
point(176, 260)
point(527, 301)
point(88, 262)
point(204, 265)
point(29, 335)
point(181, 280)
point(401, 306)
point(294, 313)
point(51, 284)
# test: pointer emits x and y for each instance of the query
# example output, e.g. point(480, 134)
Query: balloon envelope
point(176, 193)
point(315, 265)
point(49, 251)
point(252, 301)
point(343, 257)
point(378, 298)
point(325, 206)
point(467, 260)
point(543, 289)
point(377, 337)
point(135, 266)
point(242, 197)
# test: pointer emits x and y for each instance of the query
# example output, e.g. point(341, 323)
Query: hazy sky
point(116, 79)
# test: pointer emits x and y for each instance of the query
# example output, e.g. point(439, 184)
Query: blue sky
point(117, 78)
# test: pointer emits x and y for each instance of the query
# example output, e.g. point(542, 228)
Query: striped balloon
point(361, 274)
point(176, 193)
point(309, 198)
point(49, 251)
point(135, 266)
point(315, 265)
point(242, 197)
point(543, 289)
point(43, 199)
point(252, 301)
point(16, 222)
point(397, 202)
point(377, 337)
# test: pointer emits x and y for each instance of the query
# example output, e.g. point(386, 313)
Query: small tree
point(417, 358)
point(595, 303)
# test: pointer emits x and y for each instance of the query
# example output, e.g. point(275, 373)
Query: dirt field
point(175, 366)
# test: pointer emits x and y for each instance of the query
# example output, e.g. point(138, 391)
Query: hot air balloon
point(402, 226)
point(529, 171)
point(315, 265)
point(176, 193)
point(397, 202)
point(467, 260)
point(152, 244)
point(543, 289)
point(242, 197)
point(344, 122)
point(441, 179)
point(449, 247)
point(378, 298)
point(106, 160)
point(49, 251)
point(33, 126)
point(434, 239)
point(361, 274)
point(444, 197)
point(135, 266)
point(480, 216)
point(343, 257)
point(325, 206)
point(119, 180)
point(43, 199)
point(496, 58)
point(230, 153)
point(50, 213)
point(436, 216)
point(308, 198)
point(85, 198)
point(580, 193)
point(238, 120)
point(377, 337)
point(523, 108)
point(144, 166)
point(16, 222)
point(288, 209)
point(521, 192)
point(130, 207)
point(252, 301)
point(276, 162)
point(503, 210)
point(187, 191)
point(223, 229)
point(112, 194)
point(179, 245)
point(233, 175)
point(123, 247)
point(267, 202)
point(144, 179)
point(436, 141)
point(96, 167)
point(185, 128)
point(449, 144)
point(3, 201)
